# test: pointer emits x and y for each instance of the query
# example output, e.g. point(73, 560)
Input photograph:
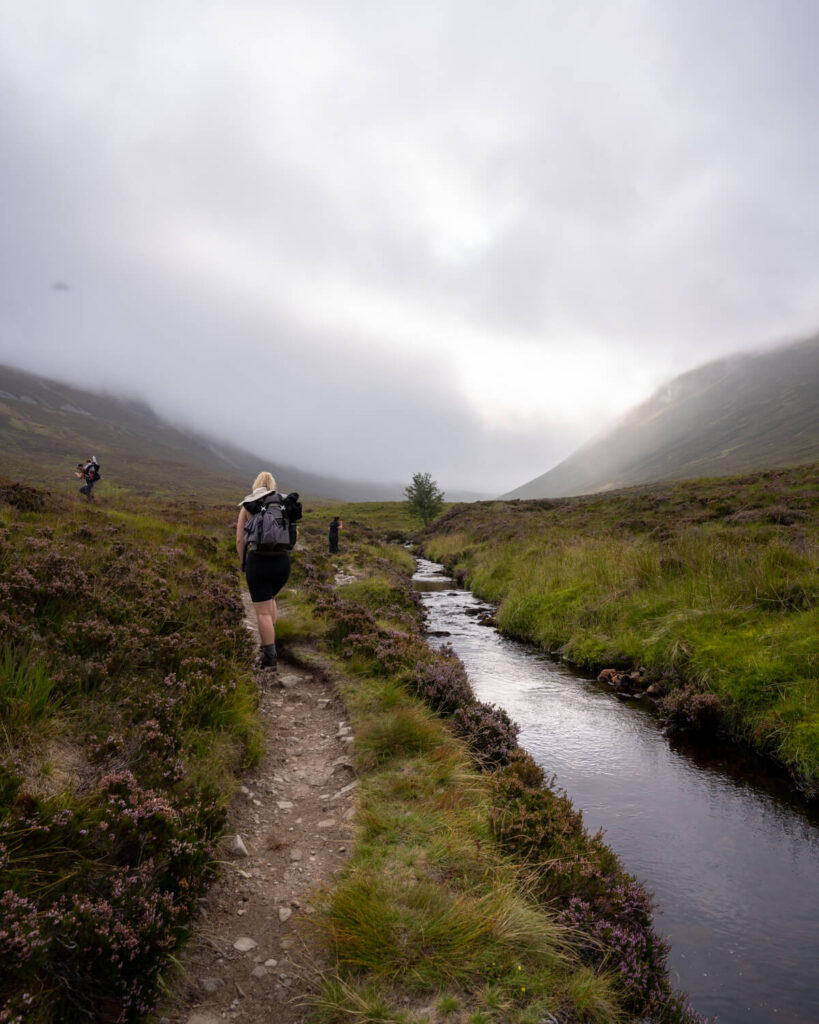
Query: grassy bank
point(711, 586)
point(473, 892)
point(127, 709)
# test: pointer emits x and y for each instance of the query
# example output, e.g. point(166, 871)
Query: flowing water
point(729, 850)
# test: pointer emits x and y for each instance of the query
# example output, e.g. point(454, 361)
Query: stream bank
point(725, 844)
point(711, 585)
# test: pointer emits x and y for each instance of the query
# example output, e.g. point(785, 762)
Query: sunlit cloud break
point(494, 231)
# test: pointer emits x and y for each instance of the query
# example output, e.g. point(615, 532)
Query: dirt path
point(289, 830)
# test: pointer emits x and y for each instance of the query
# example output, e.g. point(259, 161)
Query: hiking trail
point(289, 830)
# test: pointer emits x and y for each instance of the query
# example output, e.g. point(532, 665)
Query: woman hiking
point(266, 571)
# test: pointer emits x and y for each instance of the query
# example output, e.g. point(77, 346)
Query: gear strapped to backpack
point(271, 528)
point(94, 470)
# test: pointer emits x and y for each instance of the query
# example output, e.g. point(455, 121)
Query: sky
point(378, 238)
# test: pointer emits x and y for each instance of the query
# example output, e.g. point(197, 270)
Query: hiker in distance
point(335, 525)
point(265, 534)
point(89, 472)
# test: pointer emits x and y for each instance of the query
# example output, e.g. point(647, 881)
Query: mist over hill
point(46, 427)
point(747, 412)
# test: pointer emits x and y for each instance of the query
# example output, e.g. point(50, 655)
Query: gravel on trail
point(290, 825)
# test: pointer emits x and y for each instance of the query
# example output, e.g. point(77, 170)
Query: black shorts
point(266, 575)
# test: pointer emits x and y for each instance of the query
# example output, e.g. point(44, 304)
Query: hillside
point(737, 415)
point(46, 427)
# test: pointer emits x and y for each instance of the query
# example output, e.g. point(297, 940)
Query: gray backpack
point(269, 530)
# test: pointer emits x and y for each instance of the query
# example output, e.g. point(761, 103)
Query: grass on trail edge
point(709, 586)
point(473, 892)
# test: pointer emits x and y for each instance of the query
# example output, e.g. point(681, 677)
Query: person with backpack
point(89, 471)
point(265, 535)
point(335, 525)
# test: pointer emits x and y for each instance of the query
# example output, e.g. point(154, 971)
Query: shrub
point(389, 650)
point(688, 708)
point(442, 683)
point(346, 617)
point(491, 734)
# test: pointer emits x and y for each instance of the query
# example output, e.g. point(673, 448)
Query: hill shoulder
point(743, 414)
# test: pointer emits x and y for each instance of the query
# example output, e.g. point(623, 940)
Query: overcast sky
point(374, 238)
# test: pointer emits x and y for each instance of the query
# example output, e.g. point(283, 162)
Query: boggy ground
point(289, 831)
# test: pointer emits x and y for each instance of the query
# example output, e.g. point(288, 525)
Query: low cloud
point(426, 237)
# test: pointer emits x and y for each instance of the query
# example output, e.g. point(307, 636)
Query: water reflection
point(729, 849)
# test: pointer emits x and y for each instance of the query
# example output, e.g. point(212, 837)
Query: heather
point(709, 586)
point(607, 909)
point(127, 709)
point(473, 890)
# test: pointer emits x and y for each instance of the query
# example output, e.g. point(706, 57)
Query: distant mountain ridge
point(747, 412)
point(46, 427)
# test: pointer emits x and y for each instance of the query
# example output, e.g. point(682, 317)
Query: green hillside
point(46, 427)
point(737, 415)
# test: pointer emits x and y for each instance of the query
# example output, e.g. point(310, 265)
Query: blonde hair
point(265, 480)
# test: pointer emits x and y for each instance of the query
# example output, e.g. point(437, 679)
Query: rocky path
point(289, 831)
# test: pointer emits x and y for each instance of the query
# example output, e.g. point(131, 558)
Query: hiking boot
point(269, 656)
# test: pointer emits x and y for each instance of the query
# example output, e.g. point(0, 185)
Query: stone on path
point(245, 944)
point(204, 1018)
point(285, 913)
point(345, 790)
point(211, 985)
point(237, 848)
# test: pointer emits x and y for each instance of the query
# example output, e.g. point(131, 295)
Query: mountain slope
point(46, 427)
point(736, 415)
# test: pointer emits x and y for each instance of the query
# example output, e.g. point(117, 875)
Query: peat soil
point(250, 957)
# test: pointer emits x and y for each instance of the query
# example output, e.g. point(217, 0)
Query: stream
point(726, 845)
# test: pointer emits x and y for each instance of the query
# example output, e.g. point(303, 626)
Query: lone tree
point(424, 498)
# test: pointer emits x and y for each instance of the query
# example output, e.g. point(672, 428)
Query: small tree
point(424, 498)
